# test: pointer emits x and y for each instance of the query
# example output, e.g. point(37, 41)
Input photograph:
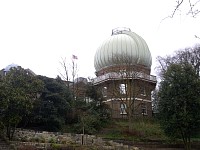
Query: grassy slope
point(142, 130)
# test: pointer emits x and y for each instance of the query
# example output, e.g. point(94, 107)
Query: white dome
point(7, 68)
point(122, 45)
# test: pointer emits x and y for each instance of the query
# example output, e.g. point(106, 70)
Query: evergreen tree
point(52, 110)
point(179, 102)
point(18, 92)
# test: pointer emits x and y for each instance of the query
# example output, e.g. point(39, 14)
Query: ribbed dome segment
point(7, 68)
point(121, 47)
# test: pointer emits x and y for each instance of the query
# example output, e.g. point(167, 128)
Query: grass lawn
point(142, 130)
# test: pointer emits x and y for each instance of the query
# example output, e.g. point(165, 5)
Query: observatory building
point(123, 67)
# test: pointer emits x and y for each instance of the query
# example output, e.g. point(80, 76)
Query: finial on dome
point(119, 30)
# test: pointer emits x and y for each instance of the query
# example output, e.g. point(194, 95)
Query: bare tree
point(192, 7)
point(190, 55)
point(155, 101)
point(70, 68)
point(65, 75)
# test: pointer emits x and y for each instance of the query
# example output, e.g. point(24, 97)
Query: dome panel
point(121, 46)
point(7, 68)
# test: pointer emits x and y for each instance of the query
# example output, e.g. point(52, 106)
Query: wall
point(44, 139)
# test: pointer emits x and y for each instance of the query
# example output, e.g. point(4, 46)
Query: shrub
point(52, 140)
point(24, 139)
point(55, 146)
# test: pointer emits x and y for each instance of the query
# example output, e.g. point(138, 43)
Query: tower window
point(87, 99)
point(143, 91)
point(104, 91)
point(144, 109)
point(123, 109)
point(122, 88)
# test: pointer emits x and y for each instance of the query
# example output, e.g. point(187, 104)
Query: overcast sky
point(36, 34)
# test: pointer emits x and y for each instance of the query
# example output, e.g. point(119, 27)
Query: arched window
point(123, 109)
point(104, 91)
point(144, 109)
point(122, 88)
point(143, 91)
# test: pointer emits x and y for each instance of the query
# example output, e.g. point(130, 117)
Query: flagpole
point(73, 84)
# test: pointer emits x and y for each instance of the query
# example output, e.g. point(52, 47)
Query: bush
point(37, 139)
point(55, 146)
point(24, 139)
point(91, 124)
point(52, 140)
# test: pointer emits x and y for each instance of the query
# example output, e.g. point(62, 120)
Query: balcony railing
point(124, 75)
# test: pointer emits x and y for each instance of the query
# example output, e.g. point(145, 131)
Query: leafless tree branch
point(179, 3)
point(192, 10)
point(197, 37)
point(65, 76)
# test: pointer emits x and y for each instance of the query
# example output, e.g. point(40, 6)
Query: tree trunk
point(8, 131)
point(12, 132)
point(129, 117)
point(188, 144)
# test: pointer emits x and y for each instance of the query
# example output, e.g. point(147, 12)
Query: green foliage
point(179, 102)
point(92, 115)
point(96, 104)
point(148, 130)
point(18, 92)
point(51, 110)
point(89, 123)
point(52, 140)
point(143, 130)
point(55, 146)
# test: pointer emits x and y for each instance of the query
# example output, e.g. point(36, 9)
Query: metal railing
point(124, 75)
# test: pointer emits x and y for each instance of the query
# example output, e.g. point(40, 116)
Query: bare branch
point(192, 11)
point(65, 76)
point(177, 7)
point(196, 36)
point(179, 3)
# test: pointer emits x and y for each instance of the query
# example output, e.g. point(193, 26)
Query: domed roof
point(7, 68)
point(123, 45)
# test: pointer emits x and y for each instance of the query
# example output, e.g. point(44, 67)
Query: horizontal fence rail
point(124, 75)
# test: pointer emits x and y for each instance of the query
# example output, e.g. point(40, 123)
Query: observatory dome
point(123, 45)
point(7, 68)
